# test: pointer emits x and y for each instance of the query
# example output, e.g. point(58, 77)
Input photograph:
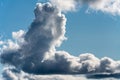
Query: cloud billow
point(34, 52)
point(105, 6)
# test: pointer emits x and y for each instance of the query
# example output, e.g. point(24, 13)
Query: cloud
point(19, 36)
point(12, 74)
point(33, 53)
point(64, 5)
point(104, 75)
point(38, 44)
point(106, 6)
point(1, 42)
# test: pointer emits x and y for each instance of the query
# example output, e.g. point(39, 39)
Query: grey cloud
point(104, 75)
point(34, 52)
point(46, 32)
point(11, 74)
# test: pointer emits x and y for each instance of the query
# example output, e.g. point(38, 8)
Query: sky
point(88, 30)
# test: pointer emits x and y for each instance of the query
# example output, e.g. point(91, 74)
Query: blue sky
point(93, 32)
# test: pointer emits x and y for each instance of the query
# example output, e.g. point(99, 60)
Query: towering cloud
point(38, 44)
point(34, 52)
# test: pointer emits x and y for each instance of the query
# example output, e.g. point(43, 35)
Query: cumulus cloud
point(107, 6)
point(31, 50)
point(34, 52)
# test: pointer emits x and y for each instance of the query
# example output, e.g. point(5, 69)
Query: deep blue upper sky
point(93, 32)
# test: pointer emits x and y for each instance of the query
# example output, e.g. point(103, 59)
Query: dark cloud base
point(104, 75)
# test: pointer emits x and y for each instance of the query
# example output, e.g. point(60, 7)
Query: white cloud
point(19, 36)
point(1, 42)
point(64, 5)
point(107, 6)
point(34, 52)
